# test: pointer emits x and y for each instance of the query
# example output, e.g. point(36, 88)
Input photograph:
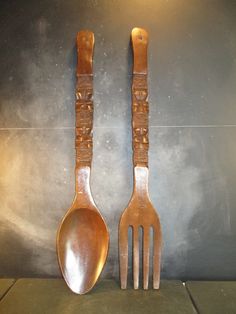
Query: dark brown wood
point(82, 238)
point(140, 212)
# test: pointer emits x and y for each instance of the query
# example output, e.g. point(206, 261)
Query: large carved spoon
point(83, 239)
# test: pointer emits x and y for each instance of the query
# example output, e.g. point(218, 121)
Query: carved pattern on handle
point(140, 110)
point(84, 120)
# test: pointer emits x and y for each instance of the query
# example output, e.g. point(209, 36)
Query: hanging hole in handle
point(140, 36)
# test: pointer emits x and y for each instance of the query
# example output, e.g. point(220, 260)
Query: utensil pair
point(83, 238)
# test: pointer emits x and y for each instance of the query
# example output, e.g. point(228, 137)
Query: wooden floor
point(49, 296)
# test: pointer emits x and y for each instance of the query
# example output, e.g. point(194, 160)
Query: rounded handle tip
point(85, 39)
point(139, 34)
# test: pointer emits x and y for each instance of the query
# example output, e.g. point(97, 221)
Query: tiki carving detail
point(84, 119)
point(140, 110)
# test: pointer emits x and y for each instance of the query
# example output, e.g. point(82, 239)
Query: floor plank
point(52, 296)
point(5, 285)
point(213, 297)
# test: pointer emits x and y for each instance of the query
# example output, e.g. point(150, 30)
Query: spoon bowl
point(82, 228)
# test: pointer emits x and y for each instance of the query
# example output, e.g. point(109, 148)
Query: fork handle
point(140, 107)
point(84, 101)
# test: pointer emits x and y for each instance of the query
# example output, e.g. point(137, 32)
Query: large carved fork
point(140, 213)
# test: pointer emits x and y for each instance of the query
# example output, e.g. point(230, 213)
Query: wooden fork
point(140, 212)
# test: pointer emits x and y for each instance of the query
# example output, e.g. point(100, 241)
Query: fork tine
point(123, 253)
point(156, 257)
point(136, 257)
point(146, 248)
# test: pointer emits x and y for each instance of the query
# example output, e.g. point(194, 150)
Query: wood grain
point(140, 212)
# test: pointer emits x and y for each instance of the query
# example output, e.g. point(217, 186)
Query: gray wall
point(192, 84)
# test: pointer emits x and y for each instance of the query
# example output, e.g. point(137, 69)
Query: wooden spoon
point(82, 238)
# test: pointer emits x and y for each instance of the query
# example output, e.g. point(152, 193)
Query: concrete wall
point(192, 86)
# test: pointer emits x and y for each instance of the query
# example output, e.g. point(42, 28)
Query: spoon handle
point(84, 99)
point(140, 106)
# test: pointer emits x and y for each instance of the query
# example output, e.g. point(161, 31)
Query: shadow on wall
point(211, 244)
point(16, 258)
